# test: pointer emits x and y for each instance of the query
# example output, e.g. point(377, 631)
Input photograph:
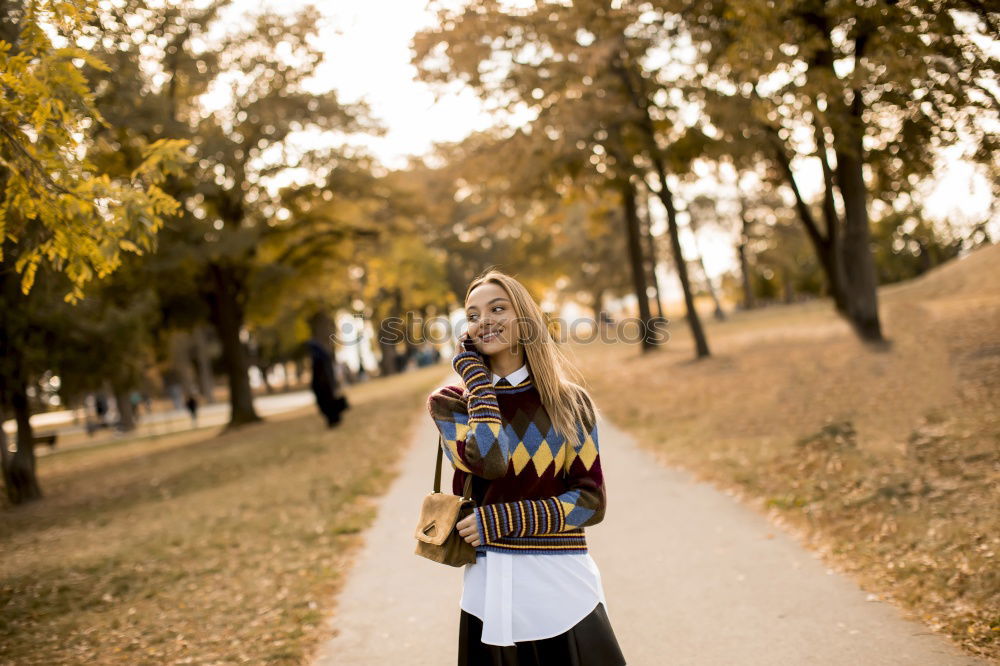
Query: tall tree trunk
point(651, 253)
point(862, 282)
point(203, 362)
point(389, 363)
point(390, 336)
point(787, 288)
point(180, 360)
point(636, 260)
point(833, 224)
point(409, 329)
point(694, 322)
point(641, 104)
point(227, 316)
point(4, 450)
point(853, 255)
point(719, 314)
point(597, 297)
point(748, 300)
point(21, 476)
point(126, 416)
point(824, 246)
point(263, 370)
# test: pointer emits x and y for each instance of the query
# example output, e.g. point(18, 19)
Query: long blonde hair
point(567, 402)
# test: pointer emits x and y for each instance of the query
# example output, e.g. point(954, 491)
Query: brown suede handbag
point(437, 537)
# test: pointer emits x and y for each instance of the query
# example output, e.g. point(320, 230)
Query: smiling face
point(491, 318)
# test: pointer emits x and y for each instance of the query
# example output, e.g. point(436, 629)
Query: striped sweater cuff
point(520, 518)
point(483, 404)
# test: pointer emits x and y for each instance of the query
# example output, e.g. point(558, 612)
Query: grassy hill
point(886, 461)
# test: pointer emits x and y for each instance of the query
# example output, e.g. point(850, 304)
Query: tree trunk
point(832, 246)
point(719, 314)
point(389, 363)
point(787, 287)
point(387, 340)
point(597, 297)
point(126, 417)
point(20, 475)
point(651, 253)
point(856, 250)
point(206, 382)
point(641, 103)
point(694, 322)
point(4, 450)
point(263, 369)
point(227, 316)
point(636, 260)
point(824, 246)
point(748, 300)
point(180, 361)
point(852, 257)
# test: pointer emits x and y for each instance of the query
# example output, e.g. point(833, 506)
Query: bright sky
point(370, 59)
point(368, 56)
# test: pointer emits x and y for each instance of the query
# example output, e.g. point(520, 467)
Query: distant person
point(331, 402)
point(101, 407)
point(192, 406)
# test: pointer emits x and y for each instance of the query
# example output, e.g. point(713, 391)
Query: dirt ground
point(885, 461)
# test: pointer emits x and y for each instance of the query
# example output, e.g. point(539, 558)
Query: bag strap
point(437, 472)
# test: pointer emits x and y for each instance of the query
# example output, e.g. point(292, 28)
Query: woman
point(528, 436)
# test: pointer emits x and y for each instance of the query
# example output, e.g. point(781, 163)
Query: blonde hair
point(567, 402)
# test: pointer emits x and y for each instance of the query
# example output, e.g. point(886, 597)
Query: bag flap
point(438, 516)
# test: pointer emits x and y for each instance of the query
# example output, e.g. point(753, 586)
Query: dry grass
point(888, 462)
point(200, 548)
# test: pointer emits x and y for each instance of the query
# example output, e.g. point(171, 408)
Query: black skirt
point(590, 642)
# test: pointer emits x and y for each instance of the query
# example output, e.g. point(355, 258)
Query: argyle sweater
point(534, 491)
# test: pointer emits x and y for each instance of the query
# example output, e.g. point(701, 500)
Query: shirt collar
point(515, 377)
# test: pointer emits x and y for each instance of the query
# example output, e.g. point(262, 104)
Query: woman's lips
point(491, 336)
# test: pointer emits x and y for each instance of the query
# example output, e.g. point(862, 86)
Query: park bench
point(48, 440)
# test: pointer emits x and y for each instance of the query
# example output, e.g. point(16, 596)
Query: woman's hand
point(465, 366)
point(466, 343)
point(468, 530)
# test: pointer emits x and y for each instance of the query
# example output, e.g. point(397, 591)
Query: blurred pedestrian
point(191, 403)
point(329, 397)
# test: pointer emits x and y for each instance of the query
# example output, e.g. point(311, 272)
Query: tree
point(56, 206)
point(574, 68)
point(58, 209)
point(265, 63)
point(870, 90)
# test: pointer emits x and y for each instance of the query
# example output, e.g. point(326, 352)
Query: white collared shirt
point(524, 596)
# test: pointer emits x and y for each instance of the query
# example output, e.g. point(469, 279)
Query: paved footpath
point(690, 575)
